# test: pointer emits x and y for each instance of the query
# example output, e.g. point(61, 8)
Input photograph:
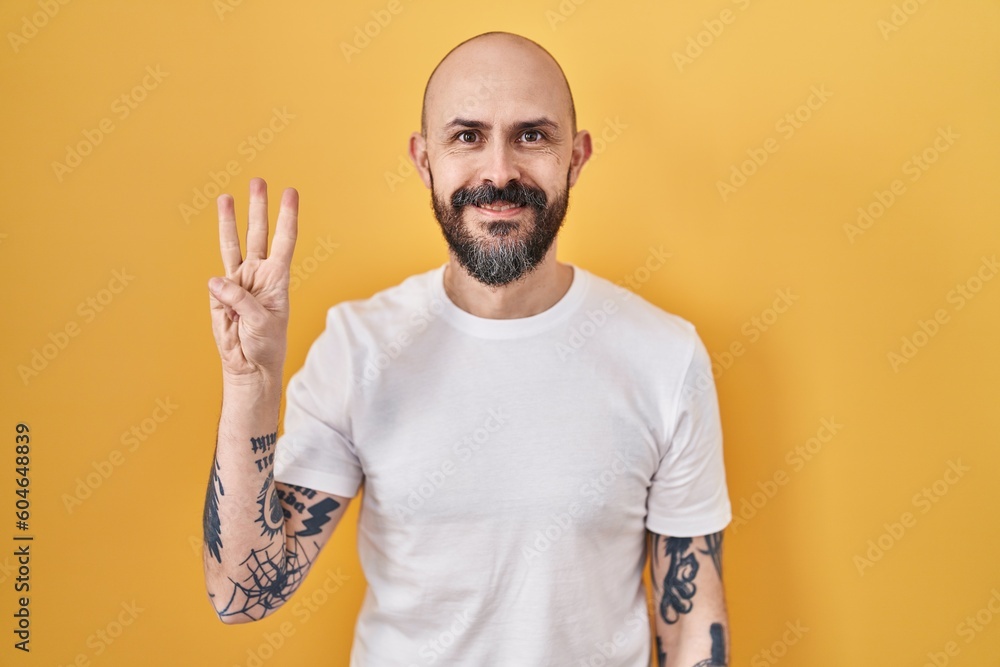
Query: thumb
point(239, 300)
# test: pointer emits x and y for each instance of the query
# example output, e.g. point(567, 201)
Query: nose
point(500, 164)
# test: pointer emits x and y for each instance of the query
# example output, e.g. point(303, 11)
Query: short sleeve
point(688, 494)
point(315, 450)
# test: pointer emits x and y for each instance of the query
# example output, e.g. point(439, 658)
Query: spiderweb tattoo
point(269, 581)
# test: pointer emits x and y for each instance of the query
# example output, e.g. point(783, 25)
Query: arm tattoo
point(269, 581)
point(714, 544)
point(210, 520)
point(718, 658)
point(661, 655)
point(678, 584)
point(263, 445)
point(319, 513)
point(271, 516)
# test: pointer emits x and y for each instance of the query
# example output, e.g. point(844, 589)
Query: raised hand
point(250, 305)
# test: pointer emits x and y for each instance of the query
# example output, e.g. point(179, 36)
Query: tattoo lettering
point(271, 517)
point(678, 583)
point(211, 525)
point(714, 544)
point(263, 443)
point(269, 582)
point(264, 461)
point(289, 499)
point(718, 658)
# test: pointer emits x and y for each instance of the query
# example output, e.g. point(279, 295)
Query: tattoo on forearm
point(320, 515)
point(269, 582)
point(292, 498)
point(271, 517)
point(263, 445)
point(718, 658)
point(714, 549)
point(678, 583)
point(661, 656)
point(210, 520)
point(319, 512)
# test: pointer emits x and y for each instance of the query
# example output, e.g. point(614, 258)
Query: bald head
point(488, 64)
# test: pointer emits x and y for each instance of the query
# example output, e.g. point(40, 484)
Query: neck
point(536, 292)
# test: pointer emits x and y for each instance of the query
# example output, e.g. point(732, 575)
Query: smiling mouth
point(499, 207)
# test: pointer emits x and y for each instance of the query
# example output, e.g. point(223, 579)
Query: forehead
point(497, 83)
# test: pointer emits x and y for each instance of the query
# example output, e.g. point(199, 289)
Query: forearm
point(692, 625)
point(699, 641)
point(245, 546)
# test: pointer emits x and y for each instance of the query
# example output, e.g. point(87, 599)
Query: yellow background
point(676, 129)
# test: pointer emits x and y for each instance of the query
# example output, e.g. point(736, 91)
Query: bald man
point(526, 432)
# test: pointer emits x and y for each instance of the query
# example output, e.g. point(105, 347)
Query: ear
point(581, 153)
point(418, 155)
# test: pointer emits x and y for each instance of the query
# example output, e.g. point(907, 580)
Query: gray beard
point(502, 259)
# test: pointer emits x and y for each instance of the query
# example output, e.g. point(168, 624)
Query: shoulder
point(636, 318)
point(388, 310)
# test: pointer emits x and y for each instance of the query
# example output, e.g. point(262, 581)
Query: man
point(520, 426)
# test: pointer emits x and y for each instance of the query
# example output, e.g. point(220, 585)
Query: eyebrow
point(523, 125)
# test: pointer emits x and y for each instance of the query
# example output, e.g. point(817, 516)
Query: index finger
point(287, 228)
point(229, 240)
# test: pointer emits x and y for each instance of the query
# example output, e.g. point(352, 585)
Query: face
point(499, 157)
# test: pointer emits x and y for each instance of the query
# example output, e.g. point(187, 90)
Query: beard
point(513, 248)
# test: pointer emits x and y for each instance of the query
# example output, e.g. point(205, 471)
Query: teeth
point(499, 208)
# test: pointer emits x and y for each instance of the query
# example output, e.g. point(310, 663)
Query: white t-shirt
point(510, 468)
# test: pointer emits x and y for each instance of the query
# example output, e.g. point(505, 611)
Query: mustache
point(515, 192)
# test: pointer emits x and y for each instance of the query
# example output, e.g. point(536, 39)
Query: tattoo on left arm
point(271, 516)
point(212, 528)
point(718, 658)
point(678, 584)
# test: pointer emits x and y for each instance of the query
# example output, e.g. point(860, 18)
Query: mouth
point(500, 209)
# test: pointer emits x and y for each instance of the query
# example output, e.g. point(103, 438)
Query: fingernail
point(215, 284)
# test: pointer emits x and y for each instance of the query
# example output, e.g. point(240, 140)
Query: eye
point(528, 134)
point(466, 133)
